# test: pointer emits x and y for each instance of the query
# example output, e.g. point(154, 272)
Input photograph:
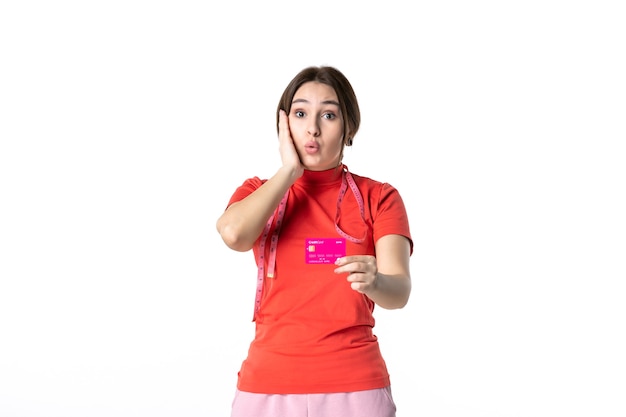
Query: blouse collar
point(328, 176)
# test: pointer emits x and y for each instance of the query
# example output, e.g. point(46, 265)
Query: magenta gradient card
point(324, 250)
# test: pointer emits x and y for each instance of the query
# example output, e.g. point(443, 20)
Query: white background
point(126, 125)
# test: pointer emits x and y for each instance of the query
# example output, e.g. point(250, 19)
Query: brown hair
point(334, 78)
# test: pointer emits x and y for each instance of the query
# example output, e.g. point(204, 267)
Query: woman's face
point(316, 126)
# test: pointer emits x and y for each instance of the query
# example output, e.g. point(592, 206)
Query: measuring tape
point(279, 214)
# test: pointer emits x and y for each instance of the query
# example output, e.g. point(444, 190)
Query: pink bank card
point(324, 250)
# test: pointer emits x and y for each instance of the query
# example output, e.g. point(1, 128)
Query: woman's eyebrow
point(303, 100)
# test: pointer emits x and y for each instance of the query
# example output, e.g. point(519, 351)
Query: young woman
point(329, 246)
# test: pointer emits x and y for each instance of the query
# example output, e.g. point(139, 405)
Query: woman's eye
point(329, 116)
point(299, 113)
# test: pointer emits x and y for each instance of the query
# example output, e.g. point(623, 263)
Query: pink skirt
point(369, 403)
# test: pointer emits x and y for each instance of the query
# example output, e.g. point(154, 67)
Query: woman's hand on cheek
point(288, 154)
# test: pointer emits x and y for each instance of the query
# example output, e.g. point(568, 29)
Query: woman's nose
point(313, 128)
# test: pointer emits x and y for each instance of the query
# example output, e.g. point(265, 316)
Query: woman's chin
point(315, 164)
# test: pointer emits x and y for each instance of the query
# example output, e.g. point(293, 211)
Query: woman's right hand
point(242, 222)
point(288, 153)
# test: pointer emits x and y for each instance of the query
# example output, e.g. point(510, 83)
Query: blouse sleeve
point(391, 217)
point(248, 187)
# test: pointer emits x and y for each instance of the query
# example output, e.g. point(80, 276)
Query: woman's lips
point(311, 147)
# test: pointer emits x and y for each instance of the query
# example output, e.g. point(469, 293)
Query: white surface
point(125, 127)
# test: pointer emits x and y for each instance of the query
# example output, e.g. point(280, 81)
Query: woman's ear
point(347, 139)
